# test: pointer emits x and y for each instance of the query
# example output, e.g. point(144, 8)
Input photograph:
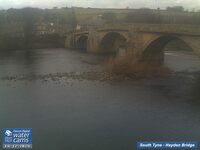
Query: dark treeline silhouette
point(175, 9)
point(143, 16)
point(34, 28)
point(109, 17)
point(173, 15)
point(36, 14)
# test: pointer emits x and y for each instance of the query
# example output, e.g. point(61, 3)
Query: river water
point(94, 115)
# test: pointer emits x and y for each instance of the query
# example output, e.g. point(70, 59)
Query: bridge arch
point(82, 42)
point(112, 42)
point(153, 51)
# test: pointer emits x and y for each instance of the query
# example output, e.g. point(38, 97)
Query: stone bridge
point(144, 41)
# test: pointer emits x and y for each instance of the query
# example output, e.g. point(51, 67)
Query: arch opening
point(82, 43)
point(155, 52)
point(114, 43)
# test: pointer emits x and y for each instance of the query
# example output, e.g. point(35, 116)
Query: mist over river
point(80, 114)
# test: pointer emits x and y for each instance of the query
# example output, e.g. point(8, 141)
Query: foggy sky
point(188, 4)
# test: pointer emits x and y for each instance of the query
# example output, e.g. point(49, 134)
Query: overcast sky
point(188, 4)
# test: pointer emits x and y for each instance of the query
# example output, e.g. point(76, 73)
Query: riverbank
point(35, 42)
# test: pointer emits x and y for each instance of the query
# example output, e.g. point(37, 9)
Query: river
point(77, 114)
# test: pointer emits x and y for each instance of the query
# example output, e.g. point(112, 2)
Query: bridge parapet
point(193, 30)
point(156, 28)
point(170, 29)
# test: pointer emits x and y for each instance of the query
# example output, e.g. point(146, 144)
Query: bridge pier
point(92, 42)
